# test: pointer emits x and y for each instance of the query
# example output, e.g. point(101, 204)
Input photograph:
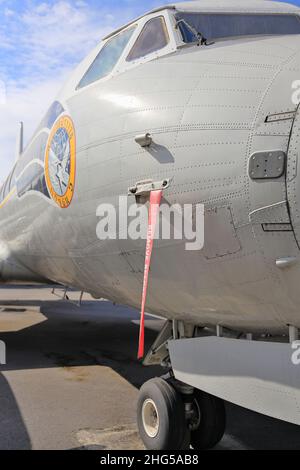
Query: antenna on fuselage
point(20, 141)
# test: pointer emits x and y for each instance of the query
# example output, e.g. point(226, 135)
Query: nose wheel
point(209, 422)
point(170, 420)
point(161, 416)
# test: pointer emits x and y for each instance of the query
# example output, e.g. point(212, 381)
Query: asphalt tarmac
point(72, 378)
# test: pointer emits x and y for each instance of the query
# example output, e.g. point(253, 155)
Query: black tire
point(212, 423)
point(171, 430)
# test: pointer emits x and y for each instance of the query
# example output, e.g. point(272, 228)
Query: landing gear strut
point(173, 416)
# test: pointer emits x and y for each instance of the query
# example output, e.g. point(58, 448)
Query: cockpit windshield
point(223, 25)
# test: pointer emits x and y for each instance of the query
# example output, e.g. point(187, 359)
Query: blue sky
point(40, 43)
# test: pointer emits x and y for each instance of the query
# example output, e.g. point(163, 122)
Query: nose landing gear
point(173, 416)
point(210, 421)
point(161, 417)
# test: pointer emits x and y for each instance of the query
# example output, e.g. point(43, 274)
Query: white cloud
point(54, 38)
point(23, 104)
point(40, 43)
point(60, 31)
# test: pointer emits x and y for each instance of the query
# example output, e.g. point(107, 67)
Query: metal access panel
point(259, 376)
point(220, 234)
point(293, 177)
point(267, 165)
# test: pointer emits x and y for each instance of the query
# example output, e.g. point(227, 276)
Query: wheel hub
point(150, 418)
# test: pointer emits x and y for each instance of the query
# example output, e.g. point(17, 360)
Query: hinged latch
point(144, 140)
point(143, 188)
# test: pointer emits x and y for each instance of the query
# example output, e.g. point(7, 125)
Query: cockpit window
point(107, 58)
point(221, 25)
point(153, 37)
point(187, 31)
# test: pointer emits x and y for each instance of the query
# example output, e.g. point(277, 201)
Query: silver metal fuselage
point(206, 109)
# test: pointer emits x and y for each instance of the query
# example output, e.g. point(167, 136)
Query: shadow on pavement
point(97, 333)
point(100, 333)
point(13, 432)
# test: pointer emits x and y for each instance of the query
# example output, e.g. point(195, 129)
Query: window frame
point(167, 35)
point(221, 38)
point(171, 47)
point(91, 59)
point(123, 65)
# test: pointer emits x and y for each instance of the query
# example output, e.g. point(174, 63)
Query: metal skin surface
point(205, 108)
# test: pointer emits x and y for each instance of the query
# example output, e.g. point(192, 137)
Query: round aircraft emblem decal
point(60, 162)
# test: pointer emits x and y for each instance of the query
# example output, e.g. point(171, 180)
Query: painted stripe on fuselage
point(5, 201)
